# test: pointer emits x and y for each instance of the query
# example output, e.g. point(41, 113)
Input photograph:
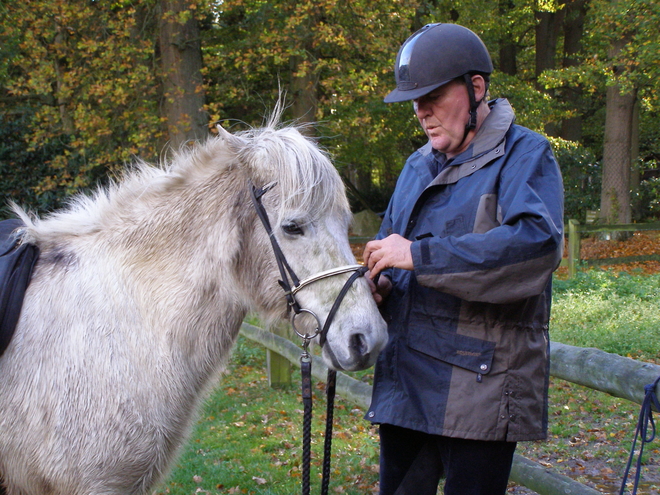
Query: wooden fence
point(575, 229)
point(618, 376)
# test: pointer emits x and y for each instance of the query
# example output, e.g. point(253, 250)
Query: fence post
point(279, 367)
point(573, 247)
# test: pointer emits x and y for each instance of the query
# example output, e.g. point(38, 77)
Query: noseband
point(291, 284)
point(291, 288)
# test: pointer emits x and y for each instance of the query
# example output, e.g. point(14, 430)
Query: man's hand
point(391, 252)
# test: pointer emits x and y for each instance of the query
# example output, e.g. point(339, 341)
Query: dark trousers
point(412, 463)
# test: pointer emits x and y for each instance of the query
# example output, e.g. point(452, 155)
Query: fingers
point(371, 259)
point(369, 248)
point(374, 290)
point(380, 289)
point(384, 286)
point(393, 251)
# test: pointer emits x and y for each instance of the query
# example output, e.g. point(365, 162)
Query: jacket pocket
point(459, 350)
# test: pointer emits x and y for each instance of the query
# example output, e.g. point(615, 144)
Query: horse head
point(306, 219)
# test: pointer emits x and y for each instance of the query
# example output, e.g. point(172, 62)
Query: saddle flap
point(17, 261)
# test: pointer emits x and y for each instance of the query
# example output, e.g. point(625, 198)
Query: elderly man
point(463, 263)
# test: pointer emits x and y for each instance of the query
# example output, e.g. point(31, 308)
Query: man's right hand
point(390, 252)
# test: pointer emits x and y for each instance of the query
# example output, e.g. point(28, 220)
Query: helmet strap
point(474, 104)
point(472, 123)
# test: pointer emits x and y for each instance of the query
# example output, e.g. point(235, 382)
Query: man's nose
point(421, 108)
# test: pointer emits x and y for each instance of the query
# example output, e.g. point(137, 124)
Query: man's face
point(443, 114)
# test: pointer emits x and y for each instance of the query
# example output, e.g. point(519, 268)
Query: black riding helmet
point(435, 55)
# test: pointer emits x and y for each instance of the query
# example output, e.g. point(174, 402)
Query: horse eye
point(292, 228)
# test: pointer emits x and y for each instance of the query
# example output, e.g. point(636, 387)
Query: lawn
point(248, 438)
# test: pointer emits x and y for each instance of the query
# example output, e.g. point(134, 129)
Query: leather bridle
point(291, 285)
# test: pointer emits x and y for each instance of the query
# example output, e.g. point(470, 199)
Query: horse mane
point(274, 153)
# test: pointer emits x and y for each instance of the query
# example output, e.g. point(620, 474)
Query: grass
point(590, 432)
point(248, 437)
point(615, 312)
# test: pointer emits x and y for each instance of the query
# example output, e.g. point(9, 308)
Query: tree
point(576, 11)
point(181, 72)
point(612, 67)
point(100, 83)
point(628, 68)
point(81, 73)
point(615, 204)
point(334, 60)
point(95, 83)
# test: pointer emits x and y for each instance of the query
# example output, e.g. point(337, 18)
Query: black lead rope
point(331, 383)
point(306, 371)
point(645, 419)
point(327, 443)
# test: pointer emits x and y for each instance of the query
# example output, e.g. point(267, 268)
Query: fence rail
point(575, 229)
point(616, 375)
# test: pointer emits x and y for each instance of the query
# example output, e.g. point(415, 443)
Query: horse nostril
point(359, 344)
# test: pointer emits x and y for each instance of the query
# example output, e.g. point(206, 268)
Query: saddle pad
point(16, 264)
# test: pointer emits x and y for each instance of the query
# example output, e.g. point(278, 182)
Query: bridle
point(291, 285)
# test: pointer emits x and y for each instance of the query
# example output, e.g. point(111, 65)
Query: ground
point(640, 244)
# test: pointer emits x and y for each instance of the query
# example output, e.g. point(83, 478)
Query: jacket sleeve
point(515, 258)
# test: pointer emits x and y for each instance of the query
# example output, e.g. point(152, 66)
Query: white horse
point(138, 296)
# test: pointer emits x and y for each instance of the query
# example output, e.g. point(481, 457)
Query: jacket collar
point(494, 128)
point(488, 144)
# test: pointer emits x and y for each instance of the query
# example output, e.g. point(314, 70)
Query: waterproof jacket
point(468, 349)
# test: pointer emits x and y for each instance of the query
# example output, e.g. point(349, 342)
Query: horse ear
point(234, 142)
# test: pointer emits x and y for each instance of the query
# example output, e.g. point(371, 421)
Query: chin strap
point(474, 104)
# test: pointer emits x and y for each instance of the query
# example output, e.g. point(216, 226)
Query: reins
point(291, 285)
point(644, 421)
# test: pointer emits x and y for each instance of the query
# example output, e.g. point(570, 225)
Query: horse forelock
point(306, 179)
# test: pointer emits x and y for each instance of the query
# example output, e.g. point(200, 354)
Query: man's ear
point(480, 88)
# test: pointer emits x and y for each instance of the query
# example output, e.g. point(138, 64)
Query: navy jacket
point(468, 350)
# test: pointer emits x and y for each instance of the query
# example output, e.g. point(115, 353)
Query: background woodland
point(88, 86)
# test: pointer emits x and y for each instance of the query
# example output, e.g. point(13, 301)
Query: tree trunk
point(547, 32)
point(508, 49)
point(576, 10)
point(615, 192)
point(181, 64)
point(303, 89)
point(615, 204)
point(508, 63)
point(303, 85)
point(635, 172)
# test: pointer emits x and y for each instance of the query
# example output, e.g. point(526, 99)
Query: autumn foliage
point(87, 86)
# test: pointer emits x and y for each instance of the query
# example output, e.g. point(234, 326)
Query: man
point(463, 263)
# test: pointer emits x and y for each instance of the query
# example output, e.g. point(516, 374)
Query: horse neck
point(180, 253)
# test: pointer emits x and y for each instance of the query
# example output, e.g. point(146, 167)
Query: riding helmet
point(435, 55)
